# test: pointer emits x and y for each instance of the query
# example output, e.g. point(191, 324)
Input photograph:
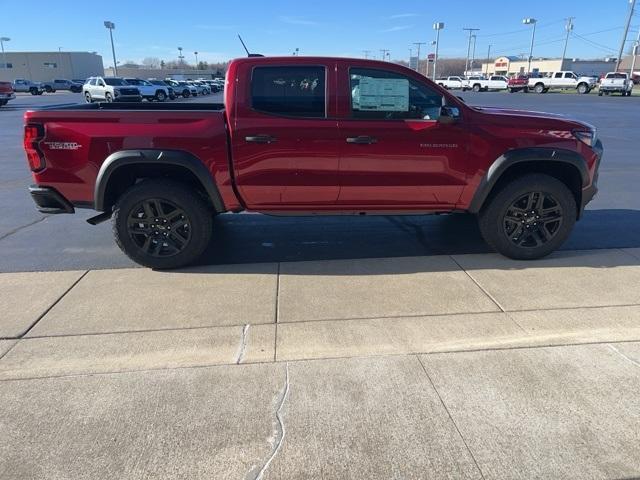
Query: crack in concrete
point(628, 359)
point(280, 432)
point(243, 344)
point(22, 227)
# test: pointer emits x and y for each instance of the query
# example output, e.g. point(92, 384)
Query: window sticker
point(381, 94)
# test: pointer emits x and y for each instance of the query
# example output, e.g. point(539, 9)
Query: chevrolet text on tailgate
point(312, 136)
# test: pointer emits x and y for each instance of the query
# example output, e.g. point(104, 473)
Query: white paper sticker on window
point(382, 94)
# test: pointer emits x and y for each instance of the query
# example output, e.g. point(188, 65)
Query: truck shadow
point(249, 238)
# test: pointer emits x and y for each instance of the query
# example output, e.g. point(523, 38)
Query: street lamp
point(196, 54)
point(530, 21)
point(180, 56)
point(4, 55)
point(437, 27)
point(111, 26)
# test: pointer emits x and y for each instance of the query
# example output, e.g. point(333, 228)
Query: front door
point(395, 153)
point(285, 146)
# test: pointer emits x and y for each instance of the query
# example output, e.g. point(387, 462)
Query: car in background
point(452, 83)
point(563, 80)
point(63, 84)
point(27, 86)
point(202, 88)
point(213, 85)
point(110, 89)
point(616, 82)
point(182, 88)
point(518, 83)
point(148, 90)
point(6, 93)
point(482, 84)
point(161, 83)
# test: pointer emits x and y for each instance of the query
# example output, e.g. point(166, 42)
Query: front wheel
point(539, 88)
point(583, 88)
point(108, 98)
point(160, 96)
point(477, 88)
point(162, 224)
point(87, 97)
point(529, 218)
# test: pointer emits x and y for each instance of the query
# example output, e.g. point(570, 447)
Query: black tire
point(518, 232)
point(3, 102)
point(48, 89)
point(600, 93)
point(539, 88)
point(176, 248)
point(186, 93)
point(33, 91)
point(160, 96)
point(477, 87)
point(583, 89)
point(87, 97)
point(526, 90)
point(108, 98)
point(512, 90)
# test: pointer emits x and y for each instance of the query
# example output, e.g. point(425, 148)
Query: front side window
point(114, 82)
point(289, 91)
point(381, 94)
point(569, 75)
point(558, 75)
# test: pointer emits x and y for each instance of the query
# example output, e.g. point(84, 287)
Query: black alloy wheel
point(533, 220)
point(159, 228)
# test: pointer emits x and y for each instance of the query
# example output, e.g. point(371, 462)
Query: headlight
point(587, 137)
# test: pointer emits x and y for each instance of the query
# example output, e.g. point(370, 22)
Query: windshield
point(114, 82)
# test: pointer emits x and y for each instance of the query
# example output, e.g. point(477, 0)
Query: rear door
point(395, 154)
point(285, 135)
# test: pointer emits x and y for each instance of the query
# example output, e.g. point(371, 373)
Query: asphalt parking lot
point(67, 242)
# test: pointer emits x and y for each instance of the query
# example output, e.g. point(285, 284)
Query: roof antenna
point(247, 50)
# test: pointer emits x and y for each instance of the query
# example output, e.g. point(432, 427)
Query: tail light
point(33, 134)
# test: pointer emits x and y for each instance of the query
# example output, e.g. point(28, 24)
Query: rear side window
point(289, 91)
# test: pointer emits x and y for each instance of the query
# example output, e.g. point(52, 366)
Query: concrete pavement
point(466, 366)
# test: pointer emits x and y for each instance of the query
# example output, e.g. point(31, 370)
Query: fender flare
point(522, 155)
point(164, 157)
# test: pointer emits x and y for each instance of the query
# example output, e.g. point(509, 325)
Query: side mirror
point(449, 115)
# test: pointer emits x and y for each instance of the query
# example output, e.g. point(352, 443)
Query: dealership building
point(47, 66)
point(515, 65)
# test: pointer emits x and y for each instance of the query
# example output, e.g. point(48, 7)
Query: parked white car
point(148, 90)
point(563, 80)
point(109, 89)
point(202, 88)
point(452, 83)
point(481, 84)
point(616, 82)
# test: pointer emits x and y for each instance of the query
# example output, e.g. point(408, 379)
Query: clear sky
point(156, 28)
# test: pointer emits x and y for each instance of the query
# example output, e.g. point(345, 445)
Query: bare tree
point(151, 62)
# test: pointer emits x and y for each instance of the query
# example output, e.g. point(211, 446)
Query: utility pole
point(534, 22)
point(569, 28)
point(632, 6)
point(385, 52)
point(366, 53)
point(418, 44)
point(473, 54)
point(488, 60)
point(466, 63)
point(110, 26)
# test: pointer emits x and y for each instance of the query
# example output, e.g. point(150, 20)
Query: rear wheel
point(108, 98)
point(539, 88)
point(33, 91)
point(87, 97)
point(160, 96)
point(583, 88)
point(162, 224)
point(477, 88)
point(48, 89)
point(186, 93)
point(529, 218)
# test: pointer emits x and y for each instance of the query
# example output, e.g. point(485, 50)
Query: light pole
point(488, 60)
point(384, 52)
point(530, 21)
point(632, 6)
point(4, 55)
point(180, 56)
point(437, 27)
point(111, 26)
point(634, 52)
point(473, 54)
point(196, 54)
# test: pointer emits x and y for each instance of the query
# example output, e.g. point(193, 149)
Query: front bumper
point(7, 96)
point(49, 200)
point(128, 98)
point(589, 192)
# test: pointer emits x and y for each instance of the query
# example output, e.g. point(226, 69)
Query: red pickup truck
point(301, 136)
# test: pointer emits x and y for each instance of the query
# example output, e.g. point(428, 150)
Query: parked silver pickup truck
point(616, 82)
point(27, 86)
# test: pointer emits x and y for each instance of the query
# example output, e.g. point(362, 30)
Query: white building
point(47, 66)
point(539, 66)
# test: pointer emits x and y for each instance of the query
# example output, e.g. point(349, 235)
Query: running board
point(103, 217)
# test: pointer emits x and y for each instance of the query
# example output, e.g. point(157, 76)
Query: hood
point(512, 117)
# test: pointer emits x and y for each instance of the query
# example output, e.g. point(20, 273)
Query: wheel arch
point(123, 169)
point(567, 166)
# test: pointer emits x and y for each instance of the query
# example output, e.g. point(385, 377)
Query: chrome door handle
point(362, 140)
point(260, 139)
